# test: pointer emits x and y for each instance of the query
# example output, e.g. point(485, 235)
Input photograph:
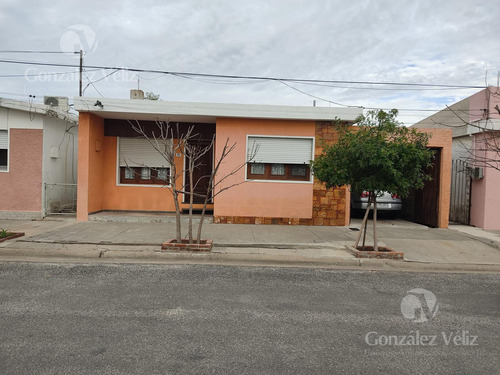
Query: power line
point(316, 97)
point(44, 74)
point(228, 76)
point(37, 52)
point(229, 79)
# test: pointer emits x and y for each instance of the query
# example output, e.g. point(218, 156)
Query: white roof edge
point(38, 108)
point(149, 107)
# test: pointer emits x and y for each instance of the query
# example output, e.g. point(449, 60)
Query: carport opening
point(422, 206)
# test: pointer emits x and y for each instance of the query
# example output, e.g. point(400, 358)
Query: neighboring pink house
point(476, 141)
point(37, 148)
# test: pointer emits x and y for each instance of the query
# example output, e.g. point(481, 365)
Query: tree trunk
point(375, 243)
point(178, 234)
point(365, 228)
point(202, 217)
point(363, 224)
point(191, 198)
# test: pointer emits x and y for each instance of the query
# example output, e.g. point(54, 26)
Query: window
point(140, 163)
point(279, 158)
point(145, 176)
point(278, 169)
point(279, 172)
point(4, 150)
point(257, 168)
point(145, 173)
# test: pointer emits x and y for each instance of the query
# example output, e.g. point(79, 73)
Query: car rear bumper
point(382, 206)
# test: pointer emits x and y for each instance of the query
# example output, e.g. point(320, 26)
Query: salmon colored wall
point(21, 187)
point(90, 164)
point(478, 202)
point(485, 200)
point(98, 176)
point(260, 199)
point(133, 198)
point(484, 99)
point(492, 198)
point(442, 138)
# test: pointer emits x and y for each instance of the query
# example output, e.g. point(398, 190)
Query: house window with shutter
point(4, 150)
point(279, 158)
point(140, 163)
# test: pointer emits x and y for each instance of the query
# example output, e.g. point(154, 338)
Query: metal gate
point(426, 210)
point(460, 192)
point(60, 199)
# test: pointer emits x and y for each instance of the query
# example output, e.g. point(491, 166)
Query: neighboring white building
point(38, 148)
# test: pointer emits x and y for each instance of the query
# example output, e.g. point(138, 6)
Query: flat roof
point(41, 109)
point(138, 109)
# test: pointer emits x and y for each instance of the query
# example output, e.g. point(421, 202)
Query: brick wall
point(21, 186)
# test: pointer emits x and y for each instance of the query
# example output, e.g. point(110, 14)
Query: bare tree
point(194, 153)
point(486, 149)
point(485, 152)
point(163, 141)
point(216, 182)
point(169, 141)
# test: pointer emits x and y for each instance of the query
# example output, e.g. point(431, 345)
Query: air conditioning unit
point(59, 102)
point(477, 173)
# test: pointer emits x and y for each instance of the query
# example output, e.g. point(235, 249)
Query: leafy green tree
point(377, 155)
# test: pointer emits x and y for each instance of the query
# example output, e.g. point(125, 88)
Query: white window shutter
point(280, 150)
point(4, 139)
point(139, 152)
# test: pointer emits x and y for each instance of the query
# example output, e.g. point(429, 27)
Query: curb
point(486, 241)
point(147, 254)
point(316, 245)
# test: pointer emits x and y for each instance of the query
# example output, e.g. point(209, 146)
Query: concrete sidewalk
point(457, 248)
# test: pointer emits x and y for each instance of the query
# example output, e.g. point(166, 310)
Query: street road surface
point(195, 319)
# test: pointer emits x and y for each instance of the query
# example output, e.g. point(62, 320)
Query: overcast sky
point(452, 42)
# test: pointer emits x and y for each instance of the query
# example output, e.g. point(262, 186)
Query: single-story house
point(277, 187)
point(475, 122)
point(38, 149)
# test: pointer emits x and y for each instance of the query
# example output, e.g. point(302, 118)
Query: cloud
point(405, 41)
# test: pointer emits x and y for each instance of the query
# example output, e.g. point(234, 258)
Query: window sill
point(143, 185)
point(280, 181)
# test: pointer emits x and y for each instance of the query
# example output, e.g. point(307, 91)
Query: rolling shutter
point(4, 140)
point(138, 152)
point(280, 150)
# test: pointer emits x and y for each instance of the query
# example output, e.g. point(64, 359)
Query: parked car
point(385, 201)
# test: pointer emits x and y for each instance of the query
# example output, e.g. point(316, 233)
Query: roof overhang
point(41, 109)
point(136, 109)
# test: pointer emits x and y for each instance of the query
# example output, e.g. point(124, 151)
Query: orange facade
point(259, 202)
point(260, 198)
point(442, 139)
point(98, 187)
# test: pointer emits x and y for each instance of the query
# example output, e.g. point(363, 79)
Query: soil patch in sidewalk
point(383, 252)
point(4, 235)
point(184, 245)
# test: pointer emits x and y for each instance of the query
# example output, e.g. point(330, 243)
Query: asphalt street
point(195, 319)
